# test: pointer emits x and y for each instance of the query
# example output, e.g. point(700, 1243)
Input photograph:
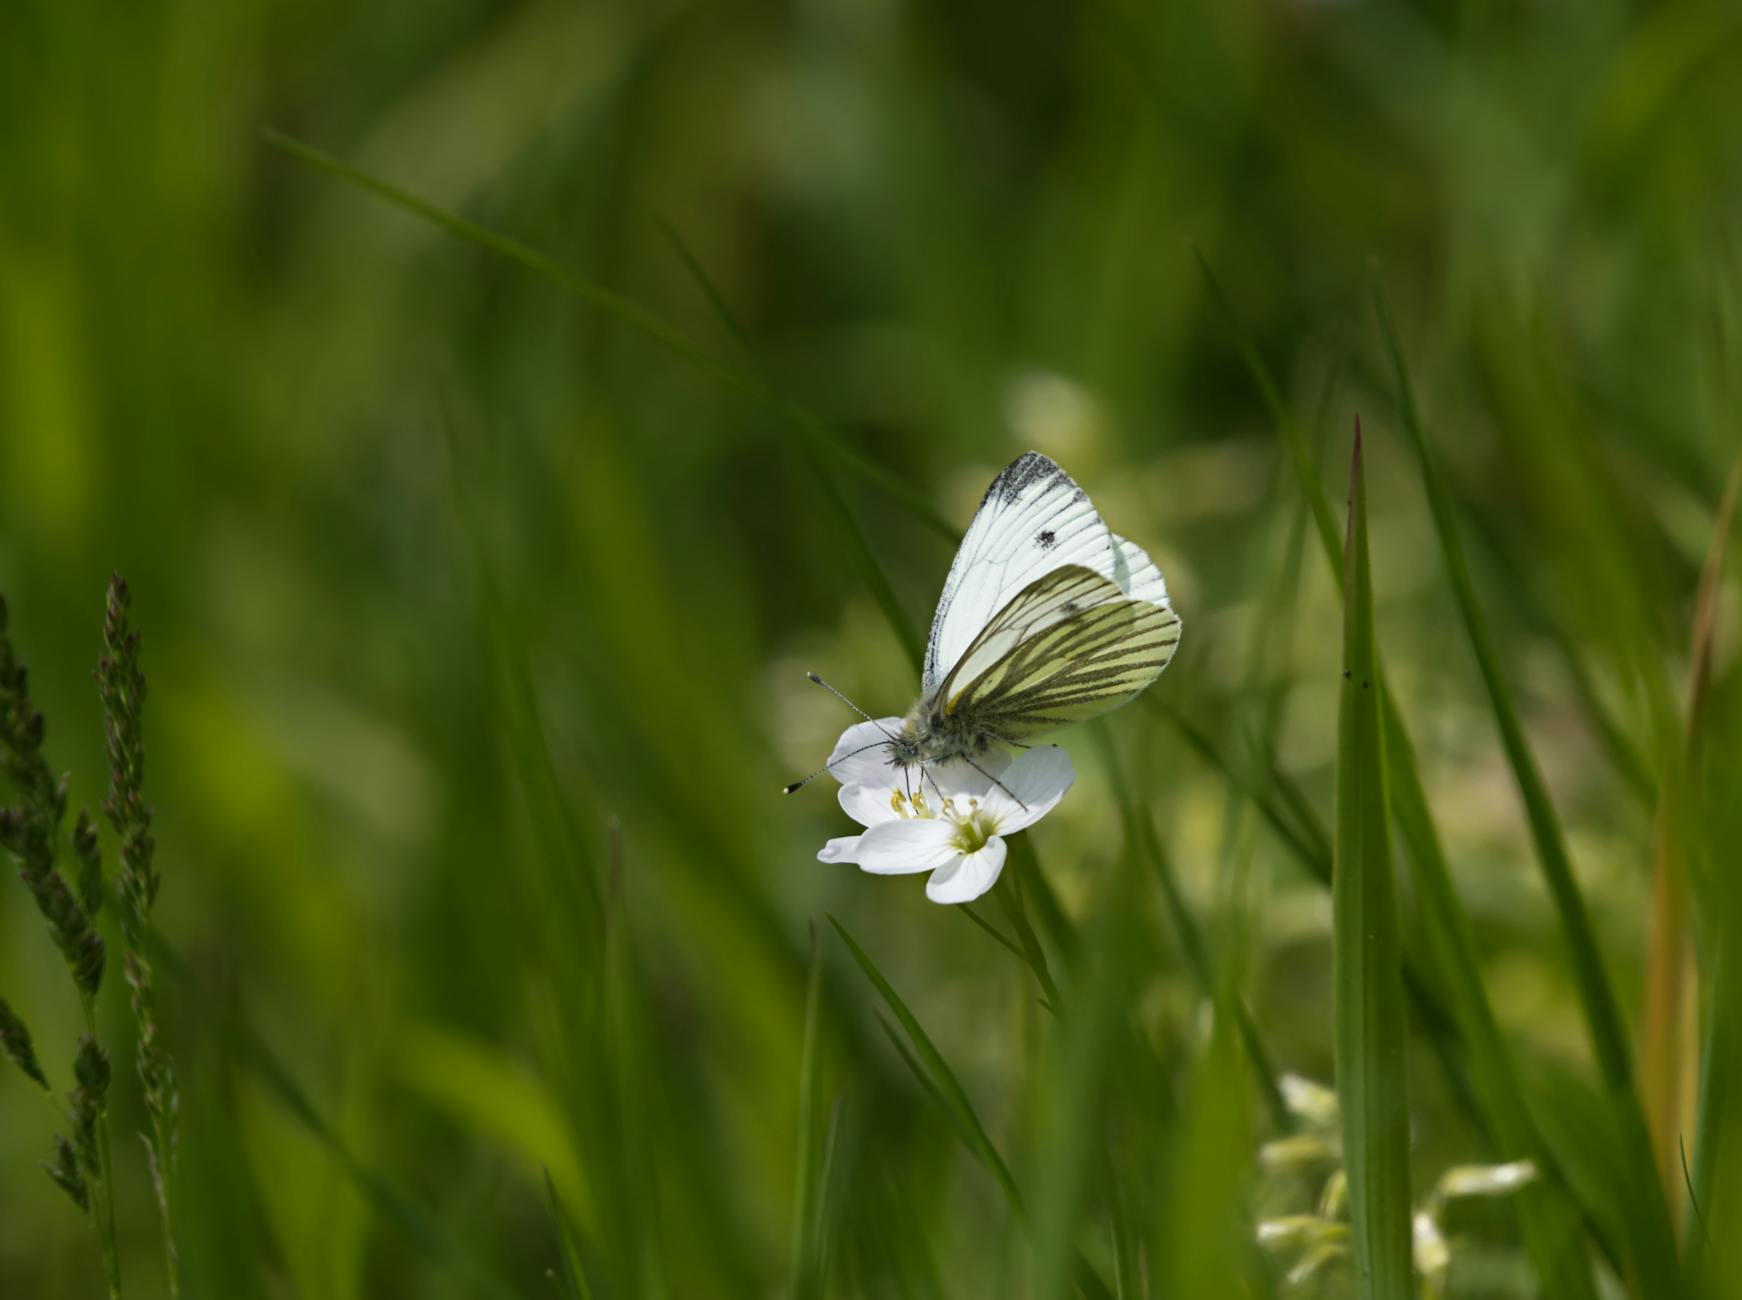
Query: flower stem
point(1010, 899)
point(103, 1202)
point(171, 1258)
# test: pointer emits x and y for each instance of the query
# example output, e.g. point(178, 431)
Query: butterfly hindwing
point(1068, 646)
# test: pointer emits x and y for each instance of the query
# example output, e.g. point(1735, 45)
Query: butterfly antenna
point(796, 786)
point(856, 709)
point(799, 785)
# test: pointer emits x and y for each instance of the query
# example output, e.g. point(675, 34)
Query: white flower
point(949, 821)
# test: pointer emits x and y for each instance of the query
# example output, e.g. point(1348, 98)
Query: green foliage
point(1651, 1240)
point(1368, 979)
point(498, 410)
point(572, 1274)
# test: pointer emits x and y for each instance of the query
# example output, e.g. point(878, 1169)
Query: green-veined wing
point(1066, 647)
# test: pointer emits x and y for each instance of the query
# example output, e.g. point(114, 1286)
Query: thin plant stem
point(103, 1199)
point(122, 687)
point(1010, 899)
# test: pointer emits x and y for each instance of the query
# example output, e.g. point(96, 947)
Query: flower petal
point(1037, 780)
point(843, 849)
point(969, 877)
point(870, 804)
point(963, 780)
point(901, 847)
point(861, 755)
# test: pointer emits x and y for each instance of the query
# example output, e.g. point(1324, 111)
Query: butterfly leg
point(925, 776)
point(995, 781)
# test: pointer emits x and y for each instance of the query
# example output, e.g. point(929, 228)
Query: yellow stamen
point(973, 831)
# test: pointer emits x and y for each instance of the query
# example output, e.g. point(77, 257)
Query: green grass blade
point(528, 750)
point(922, 1076)
point(1371, 1089)
point(830, 1180)
point(1140, 832)
point(572, 1276)
point(1059, 929)
point(1010, 898)
point(630, 313)
point(1651, 1237)
point(1299, 807)
point(1258, 1055)
point(1602, 1014)
point(1721, 1054)
point(1308, 842)
point(1324, 519)
point(1663, 1060)
point(882, 590)
point(805, 1217)
point(938, 1079)
point(624, 309)
point(1496, 1080)
point(1549, 1219)
point(1529, 604)
point(1091, 1047)
point(1003, 941)
point(1127, 1253)
point(1198, 1257)
point(807, 421)
point(1436, 1019)
point(417, 1225)
point(947, 1087)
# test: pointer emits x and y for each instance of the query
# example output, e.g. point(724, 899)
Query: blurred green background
point(476, 623)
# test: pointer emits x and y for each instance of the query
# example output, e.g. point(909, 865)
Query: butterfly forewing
point(1070, 645)
point(1034, 518)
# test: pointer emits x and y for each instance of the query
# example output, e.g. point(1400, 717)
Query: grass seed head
point(15, 1043)
point(64, 1169)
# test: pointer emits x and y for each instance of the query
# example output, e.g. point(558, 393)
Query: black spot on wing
point(1046, 539)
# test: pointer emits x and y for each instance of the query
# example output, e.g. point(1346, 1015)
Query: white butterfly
point(1047, 617)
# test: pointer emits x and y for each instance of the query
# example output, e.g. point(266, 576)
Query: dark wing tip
point(1016, 477)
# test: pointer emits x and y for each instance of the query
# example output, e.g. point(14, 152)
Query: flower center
point(974, 829)
point(973, 825)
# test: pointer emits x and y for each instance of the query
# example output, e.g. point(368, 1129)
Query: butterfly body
point(934, 733)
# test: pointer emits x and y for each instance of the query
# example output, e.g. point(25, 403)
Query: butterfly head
point(904, 746)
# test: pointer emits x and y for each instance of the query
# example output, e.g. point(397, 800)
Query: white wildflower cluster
point(1315, 1241)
